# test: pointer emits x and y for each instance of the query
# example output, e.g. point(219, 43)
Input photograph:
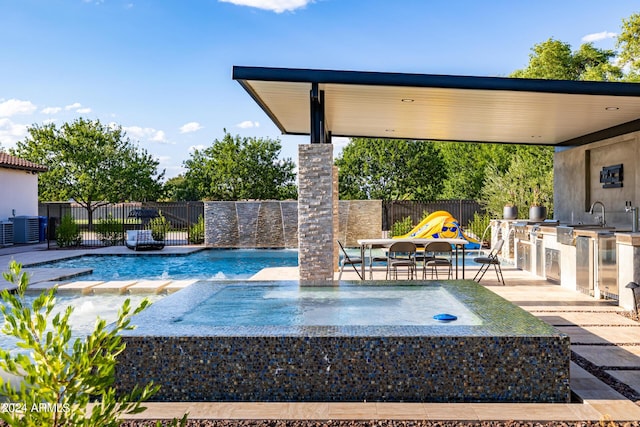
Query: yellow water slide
point(440, 224)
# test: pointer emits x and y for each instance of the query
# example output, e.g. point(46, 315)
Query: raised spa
point(278, 341)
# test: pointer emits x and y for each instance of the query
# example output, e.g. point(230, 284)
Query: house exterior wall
point(19, 192)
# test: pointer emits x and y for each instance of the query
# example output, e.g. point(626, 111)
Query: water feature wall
point(274, 224)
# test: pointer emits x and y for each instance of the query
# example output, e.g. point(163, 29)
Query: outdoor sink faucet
point(603, 221)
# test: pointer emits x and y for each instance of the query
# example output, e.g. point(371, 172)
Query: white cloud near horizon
point(73, 106)
point(248, 124)
point(11, 132)
point(190, 127)
point(12, 107)
point(277, 6)
point(150, 134)
point(594, 37)
point(51, 110)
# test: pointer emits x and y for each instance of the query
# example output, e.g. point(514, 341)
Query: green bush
point(68, 232)
point(159, 227)
point(401, 227)
point(196, 232)
point(478, 225)
point(109, 231)
point(63, 381)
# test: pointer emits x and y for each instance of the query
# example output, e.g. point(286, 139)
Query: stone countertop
point(628, 238)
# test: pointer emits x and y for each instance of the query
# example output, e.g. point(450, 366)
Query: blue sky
point(162, 68)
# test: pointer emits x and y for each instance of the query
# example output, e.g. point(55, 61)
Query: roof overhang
point(443, 107)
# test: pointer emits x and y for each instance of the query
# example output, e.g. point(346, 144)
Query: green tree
point(90, 163)
point(628, 42)
point(62, 373)
point(530, 171)
point(466, 166)
point(177, 189)
point(553, 59)
point(390, 169)
point(236, 168)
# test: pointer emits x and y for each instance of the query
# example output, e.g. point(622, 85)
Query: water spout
point(628, 207)
point(603, 220)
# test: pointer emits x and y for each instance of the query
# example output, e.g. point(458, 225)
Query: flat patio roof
point(441, 107)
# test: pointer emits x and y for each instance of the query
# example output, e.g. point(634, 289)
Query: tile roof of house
point(11, 162)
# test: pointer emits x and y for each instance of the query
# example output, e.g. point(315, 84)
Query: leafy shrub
point(478, 225)
point(159, 227)
point(63, 382)
point(68, 232)
point(401, 227)
point(196, 232)
point(109, 231)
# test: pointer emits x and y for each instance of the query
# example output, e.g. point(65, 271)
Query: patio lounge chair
point(489, 260)
point(434, 262)
point(347, 260)
point(141, 240)
point(401, 254)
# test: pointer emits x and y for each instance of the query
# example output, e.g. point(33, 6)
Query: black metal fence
point(462, 210)
point(107, 224)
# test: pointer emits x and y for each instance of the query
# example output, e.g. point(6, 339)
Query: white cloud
point(247, 124)
point(85, 110)
point(158, 136)
point(73, 106)
point(51, 110)
point(598, 36)
point(150, 134)
point(190, 127)
point(11, 132)
point(196, 147)
point(277, 6)
point(15, 106)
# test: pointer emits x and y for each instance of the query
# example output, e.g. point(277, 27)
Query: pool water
point(217, 264)
point(86, 310)
point(285, 305)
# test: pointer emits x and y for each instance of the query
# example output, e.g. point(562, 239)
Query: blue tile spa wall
point(393, 369)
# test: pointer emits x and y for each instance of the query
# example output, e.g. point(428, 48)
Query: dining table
point(458, 244)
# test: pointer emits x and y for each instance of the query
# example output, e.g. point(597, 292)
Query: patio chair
point(401, 254)
point(142, 239)
point(348, 260)
point(489, 260)
point(433, 261)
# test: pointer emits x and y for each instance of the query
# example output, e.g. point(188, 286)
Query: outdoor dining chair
point(489, 260)
point(348, 260)
point(432, 261)
point(401, 254)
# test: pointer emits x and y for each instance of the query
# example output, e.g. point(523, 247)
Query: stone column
point(336, 218)
point(315, 212)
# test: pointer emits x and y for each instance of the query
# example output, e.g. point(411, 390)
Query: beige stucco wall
point(577, 176)
point(19, 191)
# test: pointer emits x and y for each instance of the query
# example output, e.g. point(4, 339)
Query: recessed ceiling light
point(612, 108)
point(407, 100)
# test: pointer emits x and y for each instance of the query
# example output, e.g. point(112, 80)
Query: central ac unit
point(6, 233)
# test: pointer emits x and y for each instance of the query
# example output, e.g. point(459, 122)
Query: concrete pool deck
point(607, 341)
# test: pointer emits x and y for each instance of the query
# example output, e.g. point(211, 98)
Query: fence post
point(124, 228)
point(188, 223)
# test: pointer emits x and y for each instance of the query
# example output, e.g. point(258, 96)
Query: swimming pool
point(291, 304)
point(503, 354)
point(232, 264)
point(86, 309)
